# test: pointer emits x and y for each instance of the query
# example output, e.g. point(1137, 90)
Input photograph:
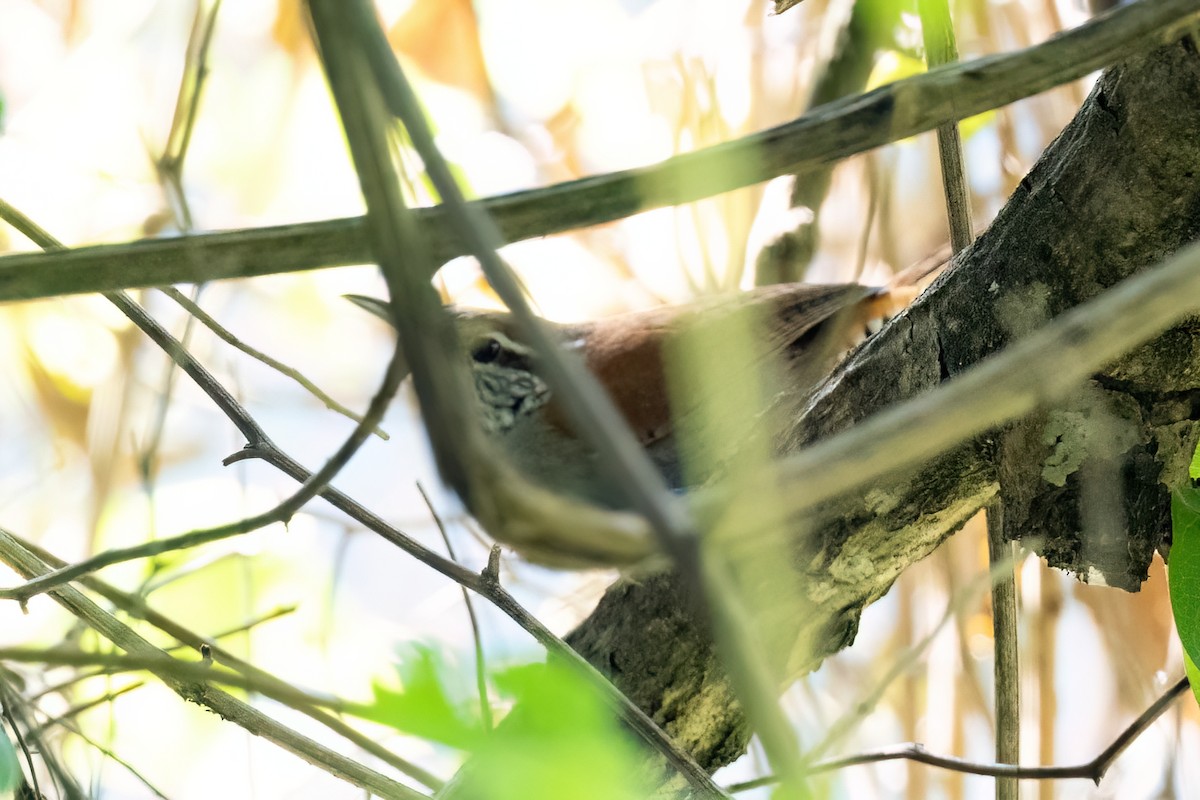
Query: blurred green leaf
point(885, 24)
point(894, 65)
point(973, 125)
point(424, 706)
point(10, 769)
point(559, 741)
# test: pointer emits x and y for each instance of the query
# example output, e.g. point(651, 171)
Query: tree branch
point(834, 131)
point(1113, 194)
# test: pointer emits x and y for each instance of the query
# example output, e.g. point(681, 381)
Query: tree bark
point(1086, 484)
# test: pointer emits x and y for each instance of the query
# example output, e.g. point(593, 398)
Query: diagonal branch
point(1112, 196)
point(834, 131)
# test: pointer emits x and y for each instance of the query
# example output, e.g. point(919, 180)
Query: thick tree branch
point(1114, 194)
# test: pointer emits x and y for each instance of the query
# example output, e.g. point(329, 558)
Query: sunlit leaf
point(1184, 574)
point(559, 741)
point(1193, 675)
point(424, 705)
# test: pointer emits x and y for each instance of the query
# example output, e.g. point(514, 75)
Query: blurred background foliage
point(103, 445)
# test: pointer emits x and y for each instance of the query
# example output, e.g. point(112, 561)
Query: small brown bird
point(805, 327)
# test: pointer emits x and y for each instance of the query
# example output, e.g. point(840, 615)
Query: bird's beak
point(379, 308)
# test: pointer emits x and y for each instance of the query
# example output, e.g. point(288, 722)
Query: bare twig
point(108, 753)
point(223, 333)
point(190, 680)
point(254, 434)
point(170, 172)
point(941, 47)
point(485, 705)
point(137, 608)
point(187, 111)
point(1093, 770)
point(78, 708)
point(1006, 668)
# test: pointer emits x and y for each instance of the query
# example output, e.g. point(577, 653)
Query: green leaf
point(1184, 573)
point(559, 741)
point(554, 700)
point(1194, 467)
point(10, 768)
point(424, 705)
point(1193, 674)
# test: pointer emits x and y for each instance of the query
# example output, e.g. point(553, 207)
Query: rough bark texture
point(1116, 192)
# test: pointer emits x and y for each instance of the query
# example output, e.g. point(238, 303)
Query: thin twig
point(1006, 667)
point(137, 608)
point(78, 708)
point(226, 336)
point(170, 171)
point(254, 434)
point(192, 680)
point(941, 48)
point(108, 753)
point(485, 705)
point(173, 671)
point(1093, 770)
point(187, 111)
point(133, 605)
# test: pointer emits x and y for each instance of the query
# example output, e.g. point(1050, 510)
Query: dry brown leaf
point(290, 30)
point(442, 38)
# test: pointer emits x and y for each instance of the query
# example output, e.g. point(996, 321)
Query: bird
point(806, 327)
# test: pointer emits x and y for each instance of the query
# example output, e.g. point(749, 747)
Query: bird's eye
point(487, 352)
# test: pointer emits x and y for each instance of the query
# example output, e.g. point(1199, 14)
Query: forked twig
point(1093, 770)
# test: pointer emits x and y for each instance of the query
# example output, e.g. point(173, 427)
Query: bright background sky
point(528, 93)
